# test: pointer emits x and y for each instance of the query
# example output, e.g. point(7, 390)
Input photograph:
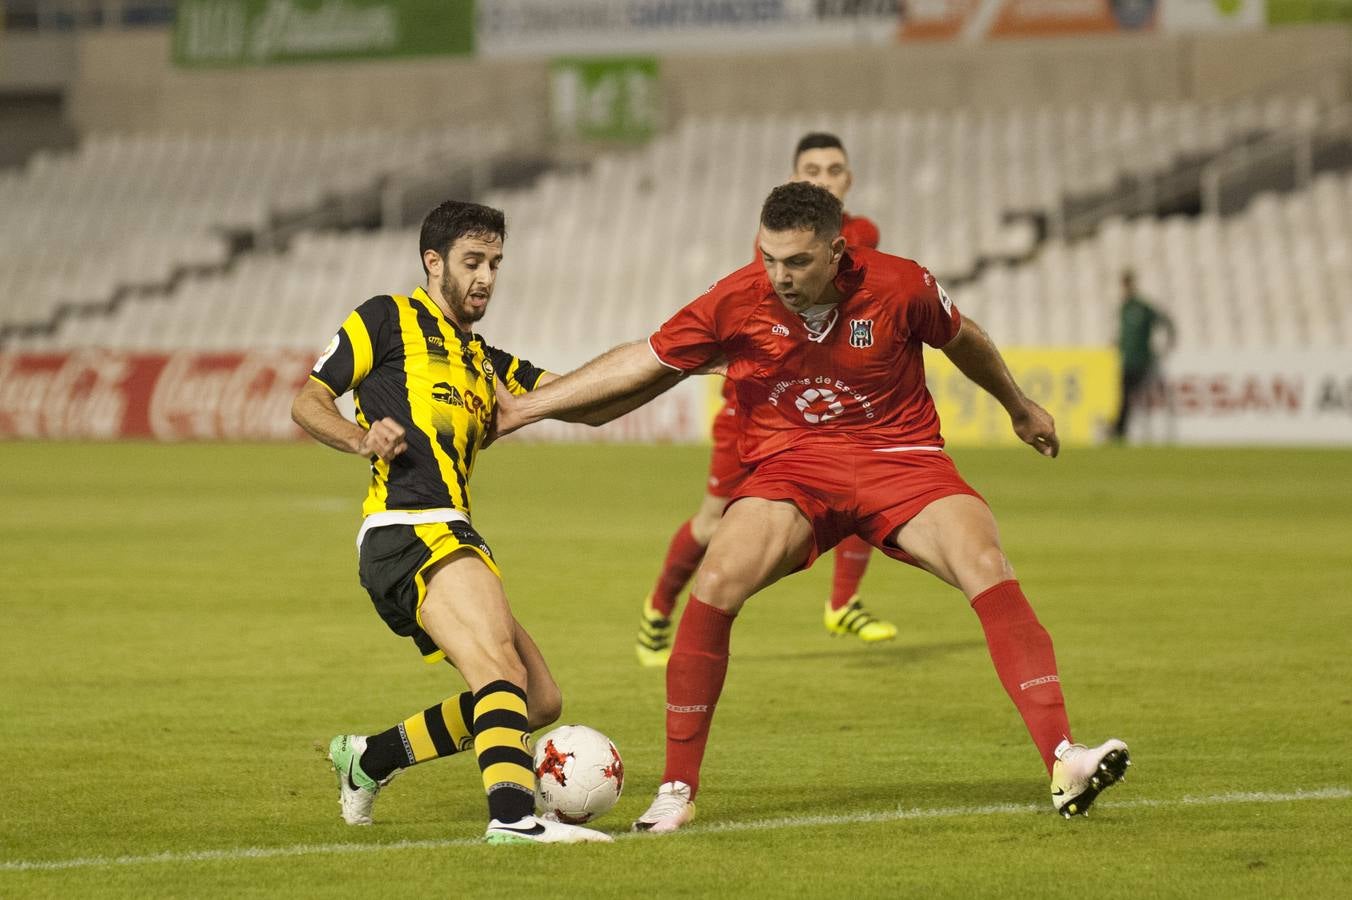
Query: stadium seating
point(603, 255)
point(124, 212)
point(1277, 275)
point(940, 184)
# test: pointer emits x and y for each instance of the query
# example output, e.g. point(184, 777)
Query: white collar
point(819, 320)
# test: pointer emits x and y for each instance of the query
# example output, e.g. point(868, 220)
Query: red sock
point(695, 672)
point(1022, 652)
point(852, 556)
point(683, 558)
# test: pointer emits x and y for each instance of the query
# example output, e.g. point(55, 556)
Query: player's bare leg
point(366, 763)
point(757, 543)
point(683, 557)
point(544, 700)
point(956, 539)
point(707, 517)
point(466, 612)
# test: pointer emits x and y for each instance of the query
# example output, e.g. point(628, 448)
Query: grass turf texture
point(183, 630)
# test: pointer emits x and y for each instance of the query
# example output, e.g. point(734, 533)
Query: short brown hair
point(800, 206)
point(455, 219)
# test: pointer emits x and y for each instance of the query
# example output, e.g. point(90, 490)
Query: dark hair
point(799, 206)
point(453, 220)
point(816, 140)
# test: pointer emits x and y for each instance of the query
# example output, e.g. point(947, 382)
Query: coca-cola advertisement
point(102, 394)
point(189, 396)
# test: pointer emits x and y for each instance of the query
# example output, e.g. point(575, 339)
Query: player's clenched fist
point(1036, 427)
point(385, 439)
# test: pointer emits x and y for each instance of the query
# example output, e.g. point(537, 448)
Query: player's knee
point(989, 566)
point(717, 587)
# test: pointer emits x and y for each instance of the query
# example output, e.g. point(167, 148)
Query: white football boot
point(356, 790)
point(671, 809)
point(538, 830)
point(1082, 773)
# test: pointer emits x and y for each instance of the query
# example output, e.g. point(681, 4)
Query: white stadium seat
point(605, 254)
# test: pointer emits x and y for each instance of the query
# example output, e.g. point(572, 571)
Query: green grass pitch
point(183, 629)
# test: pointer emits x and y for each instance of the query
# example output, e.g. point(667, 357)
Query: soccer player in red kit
point(823, 346)
point(820, 159)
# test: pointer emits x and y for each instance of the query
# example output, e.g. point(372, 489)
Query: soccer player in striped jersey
point(425, 392)
point(820, 159)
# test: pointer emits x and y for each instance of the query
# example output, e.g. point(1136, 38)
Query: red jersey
point(858, 232)
point(861, 380)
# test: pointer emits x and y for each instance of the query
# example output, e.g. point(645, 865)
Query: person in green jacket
point(1137, 323)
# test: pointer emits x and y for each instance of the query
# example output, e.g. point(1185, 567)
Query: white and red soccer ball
point(578, 774)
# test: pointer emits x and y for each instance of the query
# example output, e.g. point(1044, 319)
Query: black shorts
point(392, 565)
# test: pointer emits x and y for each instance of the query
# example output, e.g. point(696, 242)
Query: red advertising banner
point(104, 394)
point(189, 396)
point(979, 20)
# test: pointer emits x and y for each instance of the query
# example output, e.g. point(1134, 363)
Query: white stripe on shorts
point(408, 517)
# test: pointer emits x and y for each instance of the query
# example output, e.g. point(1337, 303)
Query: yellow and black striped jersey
point(403, 360)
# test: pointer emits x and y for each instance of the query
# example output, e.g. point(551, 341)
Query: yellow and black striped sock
point(500, 741)
point(431, 734)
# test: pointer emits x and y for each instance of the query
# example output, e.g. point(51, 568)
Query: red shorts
point(726, 472)
point(844, 490)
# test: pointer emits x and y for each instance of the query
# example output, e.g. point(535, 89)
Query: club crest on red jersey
point(861, 332)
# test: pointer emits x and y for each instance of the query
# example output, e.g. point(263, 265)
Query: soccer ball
point(578, 774)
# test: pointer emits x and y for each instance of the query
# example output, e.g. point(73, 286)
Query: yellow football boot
point(852, 618)
point(654, 637)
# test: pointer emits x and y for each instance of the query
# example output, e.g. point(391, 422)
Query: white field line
point(895, 815)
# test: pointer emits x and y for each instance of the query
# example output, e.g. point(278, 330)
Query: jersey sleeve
point(930, 315)
point(356, 347)
point(518, 374)
point(690, 339)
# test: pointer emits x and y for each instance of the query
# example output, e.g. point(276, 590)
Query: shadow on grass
point(868, 657)
point(883, 796)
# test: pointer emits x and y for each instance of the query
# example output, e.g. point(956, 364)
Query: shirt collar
point(849, 276)
point(420, 294)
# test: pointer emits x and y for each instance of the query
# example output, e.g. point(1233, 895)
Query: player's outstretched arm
point(616, 382)
point(314, 410)
point(976, 356)
point(612, 409)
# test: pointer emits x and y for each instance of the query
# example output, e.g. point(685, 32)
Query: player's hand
point(506, 414)
point(1036, 428)
point(385, 439)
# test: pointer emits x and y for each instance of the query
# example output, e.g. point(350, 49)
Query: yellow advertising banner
point(1078, 386)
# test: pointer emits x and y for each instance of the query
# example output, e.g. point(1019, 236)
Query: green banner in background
point(262, 32)
point(605, 98)
point(1287, 12)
